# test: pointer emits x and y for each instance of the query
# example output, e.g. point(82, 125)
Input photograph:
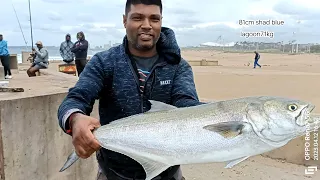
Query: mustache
point(147, 33)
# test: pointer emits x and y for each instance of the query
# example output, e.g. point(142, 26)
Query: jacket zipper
point(147, 78)
point(137, 79)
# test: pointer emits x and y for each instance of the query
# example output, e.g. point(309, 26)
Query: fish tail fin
point(72, 158)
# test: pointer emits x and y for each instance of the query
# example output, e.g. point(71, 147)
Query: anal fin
point(151, 167)
point(235, 162)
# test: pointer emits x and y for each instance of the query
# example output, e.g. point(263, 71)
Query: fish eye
point(292, 107)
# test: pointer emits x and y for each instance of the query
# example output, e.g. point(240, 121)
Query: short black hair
point(145, 2)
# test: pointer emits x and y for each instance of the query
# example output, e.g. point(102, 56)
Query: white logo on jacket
point(165, 82)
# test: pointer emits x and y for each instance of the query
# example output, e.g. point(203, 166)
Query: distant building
point(116, 44)
point(210, 44)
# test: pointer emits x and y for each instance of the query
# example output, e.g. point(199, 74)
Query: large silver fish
point(230, 130)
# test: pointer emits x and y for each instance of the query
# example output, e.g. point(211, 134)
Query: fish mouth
point(304, 116)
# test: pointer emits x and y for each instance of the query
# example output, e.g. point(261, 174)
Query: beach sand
point(294, 76)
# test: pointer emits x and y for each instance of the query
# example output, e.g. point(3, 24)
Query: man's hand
point(82, 138)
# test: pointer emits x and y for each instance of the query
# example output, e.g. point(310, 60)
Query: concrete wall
point(194, 63)
point(1, 72)
point(25, 56)
point(34, 146)
point(13, 61)
point(203, 62)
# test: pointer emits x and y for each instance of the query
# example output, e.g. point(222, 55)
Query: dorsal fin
point(160, 106)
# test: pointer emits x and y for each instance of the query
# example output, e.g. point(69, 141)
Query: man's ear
point(124, 20)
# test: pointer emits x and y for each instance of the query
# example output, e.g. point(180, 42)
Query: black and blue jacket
point(111, 77)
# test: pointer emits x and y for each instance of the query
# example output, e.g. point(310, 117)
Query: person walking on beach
point(256, 59)
point(65, 50)
point(147, 65)
point(80, 49)
point(4, 56)
point(41, 60)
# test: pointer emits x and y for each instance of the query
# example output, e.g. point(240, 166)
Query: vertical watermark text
point(311, 145)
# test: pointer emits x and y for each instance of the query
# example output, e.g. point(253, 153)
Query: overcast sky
point(194, 21)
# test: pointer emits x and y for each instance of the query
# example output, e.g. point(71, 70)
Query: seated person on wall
point(41, 59)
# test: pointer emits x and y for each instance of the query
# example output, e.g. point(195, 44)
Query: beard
point(143, 46)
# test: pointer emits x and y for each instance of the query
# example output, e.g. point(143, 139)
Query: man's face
point(143, 26)
point(68, 38)
point(38, 46)
point(79, 36)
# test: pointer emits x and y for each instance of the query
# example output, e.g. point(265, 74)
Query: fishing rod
point(33, 55)
point(20, 25)
point(30, 25)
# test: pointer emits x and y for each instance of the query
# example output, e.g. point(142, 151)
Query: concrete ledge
point(1, 72)
point(194, 63)
point(49, 72)
point(212, 63)
point(13, 61)
point(203, 62)
point(25, 56)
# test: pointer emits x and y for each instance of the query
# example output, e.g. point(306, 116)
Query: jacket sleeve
point(82, 96)
point(3, 46)
point(61, 52)
point(74, 48)
point(42, 53)
point(184, 92)
point(72, 53)
point(82, 47)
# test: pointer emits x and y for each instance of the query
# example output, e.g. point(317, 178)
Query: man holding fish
point(147, 65)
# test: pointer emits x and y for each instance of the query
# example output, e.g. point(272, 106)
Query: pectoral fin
point(227, 129)
point(235, 162)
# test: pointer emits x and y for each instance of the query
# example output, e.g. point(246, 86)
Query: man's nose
point(146, 24)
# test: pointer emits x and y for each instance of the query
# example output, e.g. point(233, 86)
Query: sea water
point(54, 53)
